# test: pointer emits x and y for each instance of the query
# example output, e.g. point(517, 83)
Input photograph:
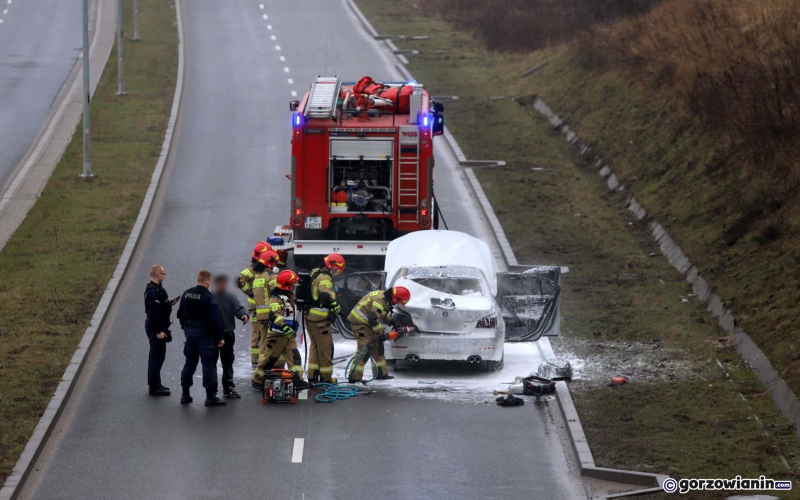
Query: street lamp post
point(136, 37)
point(120, 53)
point(87, 135)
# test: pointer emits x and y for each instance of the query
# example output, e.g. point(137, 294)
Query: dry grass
point(56, 266)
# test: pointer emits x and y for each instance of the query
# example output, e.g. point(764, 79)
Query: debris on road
point(509, 400)
point(555, 369)
point(619, 380)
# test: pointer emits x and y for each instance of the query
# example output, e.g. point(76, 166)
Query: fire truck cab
point(362, 166)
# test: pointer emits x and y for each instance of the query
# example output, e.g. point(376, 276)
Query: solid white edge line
point(297, 452)
point(16, 480)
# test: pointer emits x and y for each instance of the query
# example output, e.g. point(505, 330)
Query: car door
point(530, 303)
point(351, 289)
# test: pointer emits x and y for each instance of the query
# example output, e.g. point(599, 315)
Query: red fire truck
point(362, 166)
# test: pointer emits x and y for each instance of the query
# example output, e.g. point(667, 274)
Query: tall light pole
point(120, 53)
point(87, 122)
point(136, 37)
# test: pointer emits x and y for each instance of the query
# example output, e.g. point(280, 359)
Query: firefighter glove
point(287, 330)
point(336, 308)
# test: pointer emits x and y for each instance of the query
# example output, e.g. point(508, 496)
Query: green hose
point(333, 391)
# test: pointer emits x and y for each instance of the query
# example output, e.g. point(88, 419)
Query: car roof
point(440, 248)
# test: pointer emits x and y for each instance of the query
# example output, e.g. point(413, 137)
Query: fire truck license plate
point(313, 222)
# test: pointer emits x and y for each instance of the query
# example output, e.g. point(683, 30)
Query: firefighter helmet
point(334, 261)
point(269, 258)
point(261, 246)
point(400, 295)
point(287, 279)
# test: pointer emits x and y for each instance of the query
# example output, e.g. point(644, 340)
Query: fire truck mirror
point(293, 105)
point(438, 124)
point(438, 107)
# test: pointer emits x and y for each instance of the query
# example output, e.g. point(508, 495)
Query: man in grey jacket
point(231, 309)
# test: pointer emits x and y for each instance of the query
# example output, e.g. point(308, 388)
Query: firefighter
point(203, 328)
point(246, 278)
point(366, 320)
point(264, 283)
point(322, 304)
point(280, 341)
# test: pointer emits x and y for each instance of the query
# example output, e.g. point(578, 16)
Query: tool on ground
point(280, 387)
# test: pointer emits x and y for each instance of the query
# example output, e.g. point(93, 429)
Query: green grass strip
point(56, 266)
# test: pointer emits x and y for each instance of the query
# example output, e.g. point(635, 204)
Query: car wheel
point(494, 366)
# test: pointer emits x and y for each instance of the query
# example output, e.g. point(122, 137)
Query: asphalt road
point(225, 189)
point(39, 43)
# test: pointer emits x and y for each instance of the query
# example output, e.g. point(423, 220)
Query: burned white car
point(463, 309)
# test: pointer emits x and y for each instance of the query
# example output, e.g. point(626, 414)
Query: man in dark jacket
point(231, 309)
point(158, 308)
point(202, 326)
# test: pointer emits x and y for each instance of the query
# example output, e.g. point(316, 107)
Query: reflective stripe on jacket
point(371, 310)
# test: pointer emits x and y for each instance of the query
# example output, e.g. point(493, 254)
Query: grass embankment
point(625, 309)
point(58, 263)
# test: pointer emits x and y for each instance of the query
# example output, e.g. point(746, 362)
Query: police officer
point(158, 308)
point(280, 341)
point(246, 278)
point(322, 304)
point(202, 324)
point(366, 320)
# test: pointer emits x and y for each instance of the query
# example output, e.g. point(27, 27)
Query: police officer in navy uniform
point(158, 308)
point(203, 328)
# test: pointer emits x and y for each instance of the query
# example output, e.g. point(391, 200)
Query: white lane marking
point(297, 452)
point(273, 37)
point(291, 81)
point(282, 58)
point(269, 26)
point(294, 93)
point(285, 69)
point(261, 6)
point(303, 395)
point(5, 11)
point(265, 16)
point(1, 21)
point(277, 47)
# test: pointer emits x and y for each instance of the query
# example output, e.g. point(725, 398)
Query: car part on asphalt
point(555, 369)
point(509, 400)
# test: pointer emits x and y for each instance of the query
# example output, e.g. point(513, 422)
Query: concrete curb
point(575, 430)
point(33, 448)
point(31, 175)
point(781, 394)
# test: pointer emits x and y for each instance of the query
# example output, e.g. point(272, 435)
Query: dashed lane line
point(297, 452)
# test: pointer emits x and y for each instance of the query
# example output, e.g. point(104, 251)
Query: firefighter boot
point(212, 399)
point(186, 398)
point(231, 393)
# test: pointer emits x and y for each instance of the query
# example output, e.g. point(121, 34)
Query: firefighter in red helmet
point(245, 283)
point(367, 320)
point(322, 305)
point(280, 312)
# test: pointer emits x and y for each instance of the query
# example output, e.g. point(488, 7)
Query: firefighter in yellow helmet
point(366, 320)
point(322, 305)
point(246, 278)
point(280, 312)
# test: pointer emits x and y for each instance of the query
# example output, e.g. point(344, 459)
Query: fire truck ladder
point(408, 177)
point(323, 98)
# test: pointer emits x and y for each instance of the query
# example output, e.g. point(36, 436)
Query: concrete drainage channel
point(781, 394)
point(649, 482)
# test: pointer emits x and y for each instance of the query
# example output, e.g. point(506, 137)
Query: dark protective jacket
point(199, 310)
point(230, 309)
point(157, 307)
